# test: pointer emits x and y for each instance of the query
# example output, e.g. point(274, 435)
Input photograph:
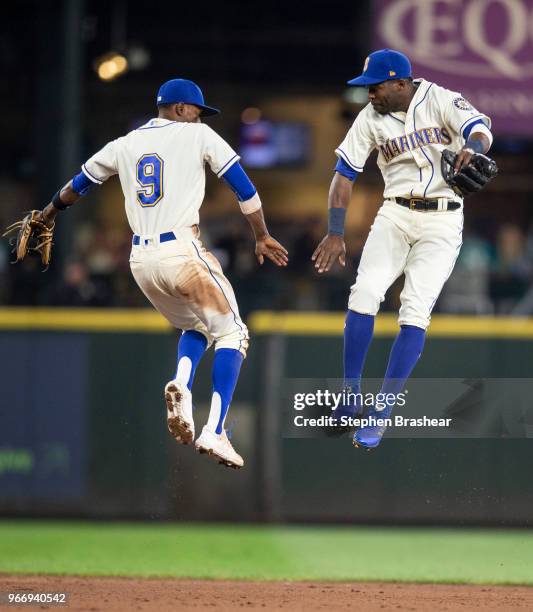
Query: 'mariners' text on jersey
point(421, 138)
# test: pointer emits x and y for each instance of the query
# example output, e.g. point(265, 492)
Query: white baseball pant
point(185, 283)
point(423, 245)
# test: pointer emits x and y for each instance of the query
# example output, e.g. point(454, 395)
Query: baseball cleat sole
point(180, 429)
point(220, 460)
point(219, 448)
point(359, 444)
point(362, 446)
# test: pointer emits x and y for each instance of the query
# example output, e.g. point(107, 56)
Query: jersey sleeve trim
point(251, 205)
point(90, 176)
point(81, 183)
point(238, 181)
point(342, 154)
point(475, 119)
point(468, 129)
point(479, 127)
point(347, 171)
point(228, 164)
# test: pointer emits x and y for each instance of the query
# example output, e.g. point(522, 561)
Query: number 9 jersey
point(161, 171)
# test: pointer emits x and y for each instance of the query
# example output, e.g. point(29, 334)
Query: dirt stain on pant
point(196, 285)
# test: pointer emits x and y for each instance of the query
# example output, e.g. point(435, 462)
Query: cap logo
point(365, 67)
point(392, 73)
point(159, 98)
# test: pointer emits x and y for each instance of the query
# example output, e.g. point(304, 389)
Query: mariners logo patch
point(462, 104)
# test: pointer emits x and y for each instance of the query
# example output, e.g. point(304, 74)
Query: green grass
point(267, 553)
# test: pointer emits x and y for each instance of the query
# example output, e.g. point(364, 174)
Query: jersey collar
point(157, 121)
point(420, 92)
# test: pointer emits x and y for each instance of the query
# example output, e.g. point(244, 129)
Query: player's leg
point(193, 342)
point(213, 439)
point(216, 306)
point(151, 278)
point(405, 353)
point(226, 369)
point(403, 357)
point(191, 348)
point(191, 291)
point(178, 397)
point(382, 261)
point(428, 266)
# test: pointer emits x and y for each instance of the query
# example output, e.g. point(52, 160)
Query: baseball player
point(417, 230)
point(161, 170)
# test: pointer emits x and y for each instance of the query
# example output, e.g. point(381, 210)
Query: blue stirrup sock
point(404, 354)
point(358, 331)
point(226, 368)
point(191, 348)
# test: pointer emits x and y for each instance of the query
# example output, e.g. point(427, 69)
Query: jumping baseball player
point(412, 124)
point(161, 170)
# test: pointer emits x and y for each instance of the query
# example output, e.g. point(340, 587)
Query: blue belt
point(166, 237)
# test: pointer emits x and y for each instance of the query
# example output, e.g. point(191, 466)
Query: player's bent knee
point(362, 299)
point(201, 330)
point(237, 339)
point(414, 319)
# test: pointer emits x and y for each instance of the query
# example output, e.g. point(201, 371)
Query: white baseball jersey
point(409, 144)
point(161, 171)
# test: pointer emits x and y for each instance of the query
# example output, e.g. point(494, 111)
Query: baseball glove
point(472, 177)
point(32, 235)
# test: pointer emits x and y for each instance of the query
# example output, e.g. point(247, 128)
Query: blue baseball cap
point(182, 90)
point(383, 65)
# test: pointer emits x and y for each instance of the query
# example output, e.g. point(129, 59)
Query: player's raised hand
point(331, 248)
point(271, 248)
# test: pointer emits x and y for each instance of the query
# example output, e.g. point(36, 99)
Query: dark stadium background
point(106, 446)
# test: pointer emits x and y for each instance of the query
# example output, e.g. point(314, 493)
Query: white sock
point(214, 413)
point(183, 373)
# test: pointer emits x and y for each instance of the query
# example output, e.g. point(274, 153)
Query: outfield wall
point(82, 428)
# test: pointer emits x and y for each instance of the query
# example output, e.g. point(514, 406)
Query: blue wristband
point(475, 144)
point(336, 218)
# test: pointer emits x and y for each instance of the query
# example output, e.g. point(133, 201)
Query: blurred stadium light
point(110, 66)
point(251, 115)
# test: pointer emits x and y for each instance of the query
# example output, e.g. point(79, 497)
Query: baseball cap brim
point(208, 110)
point(364, 81)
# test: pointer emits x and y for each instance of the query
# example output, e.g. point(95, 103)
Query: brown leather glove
point(33, 234)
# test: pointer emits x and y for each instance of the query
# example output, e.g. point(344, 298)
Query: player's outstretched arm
point(250, 204)
point(332, 246)
point(63, 199)
point(265, 245)
point(35, 232)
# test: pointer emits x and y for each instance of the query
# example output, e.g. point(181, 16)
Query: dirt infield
point(118, 594)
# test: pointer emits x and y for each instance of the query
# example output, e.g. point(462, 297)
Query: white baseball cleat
point(179, 412)
point(219, 447)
